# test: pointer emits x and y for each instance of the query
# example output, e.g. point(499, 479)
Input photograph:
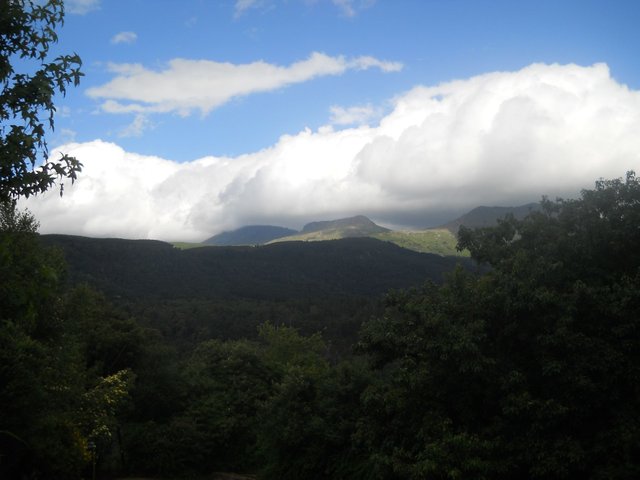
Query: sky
point(199, 116)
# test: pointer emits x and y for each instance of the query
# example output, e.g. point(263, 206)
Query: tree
point(41, 375)
point(60, 386)
point(527, 371)
point(27, 31)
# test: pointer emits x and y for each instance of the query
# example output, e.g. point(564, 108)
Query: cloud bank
point(501, 138)
point(186, 86)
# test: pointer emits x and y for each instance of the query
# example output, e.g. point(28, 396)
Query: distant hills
point(249, 235)
point(344, 258)
point(352, 227)
point(350, 256)
point(153, 269)
point(440, 241)
point(488, 216)
point(358, 226)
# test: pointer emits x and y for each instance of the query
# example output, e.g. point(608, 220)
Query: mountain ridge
point(154, 269)
point(249, 235)
point(440, 240)
point(357, 224)
point(484, 216)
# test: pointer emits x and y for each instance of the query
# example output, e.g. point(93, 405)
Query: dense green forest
point(288, 361)
point(227, 292)
point(525, 369)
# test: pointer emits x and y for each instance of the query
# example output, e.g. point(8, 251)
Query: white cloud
point(81, 7)
point(364, 63)
point(188, 85)
point(357, 115)
point(502, 138)
point(137, 127)
point(124, 37)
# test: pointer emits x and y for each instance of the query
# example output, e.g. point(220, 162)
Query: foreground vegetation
point(528, 370)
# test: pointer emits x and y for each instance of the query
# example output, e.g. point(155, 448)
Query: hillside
point(146, 268)
point(437, 240)
point(488, 216)
point(352, 227)
point(440, 241)
point(249, 235)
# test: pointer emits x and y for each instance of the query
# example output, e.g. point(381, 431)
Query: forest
point(525, 369)
point(523, 362)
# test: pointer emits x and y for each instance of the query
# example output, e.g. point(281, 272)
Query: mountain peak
point(351, 226)
point(484, 216)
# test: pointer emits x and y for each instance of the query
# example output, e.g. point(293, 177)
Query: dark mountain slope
point(488, 216)
point(250, 235)
point(143, 268)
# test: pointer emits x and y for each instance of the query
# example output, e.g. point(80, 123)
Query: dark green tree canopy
point(30, 80)
point(593, 238)
point(527, 371)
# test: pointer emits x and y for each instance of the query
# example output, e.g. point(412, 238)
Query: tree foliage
point(53, 398)
point(526, 368)
point(529, 371)
point(30, 81)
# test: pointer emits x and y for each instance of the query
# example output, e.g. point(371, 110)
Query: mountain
point(352, 227)
point(441, 240)
point(358, 226)
point(435, 240)
point(488, 216)
point(152, 269)
point(249, 235)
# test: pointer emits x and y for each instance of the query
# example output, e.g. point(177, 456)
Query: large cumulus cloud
point(501, 138)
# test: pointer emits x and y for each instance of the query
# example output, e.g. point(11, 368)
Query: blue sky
point(232, 99)
point(435, 40)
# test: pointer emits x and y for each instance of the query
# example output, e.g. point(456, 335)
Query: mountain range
point(284, 270)
point(440, 240)
point(249, 235)
point(351, 256)
point(358, 226)
point(488, 216)
point(330, 285)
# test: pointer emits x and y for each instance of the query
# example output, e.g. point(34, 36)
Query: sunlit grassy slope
point(317, 236)
point(187, 245)
point(440, 241)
